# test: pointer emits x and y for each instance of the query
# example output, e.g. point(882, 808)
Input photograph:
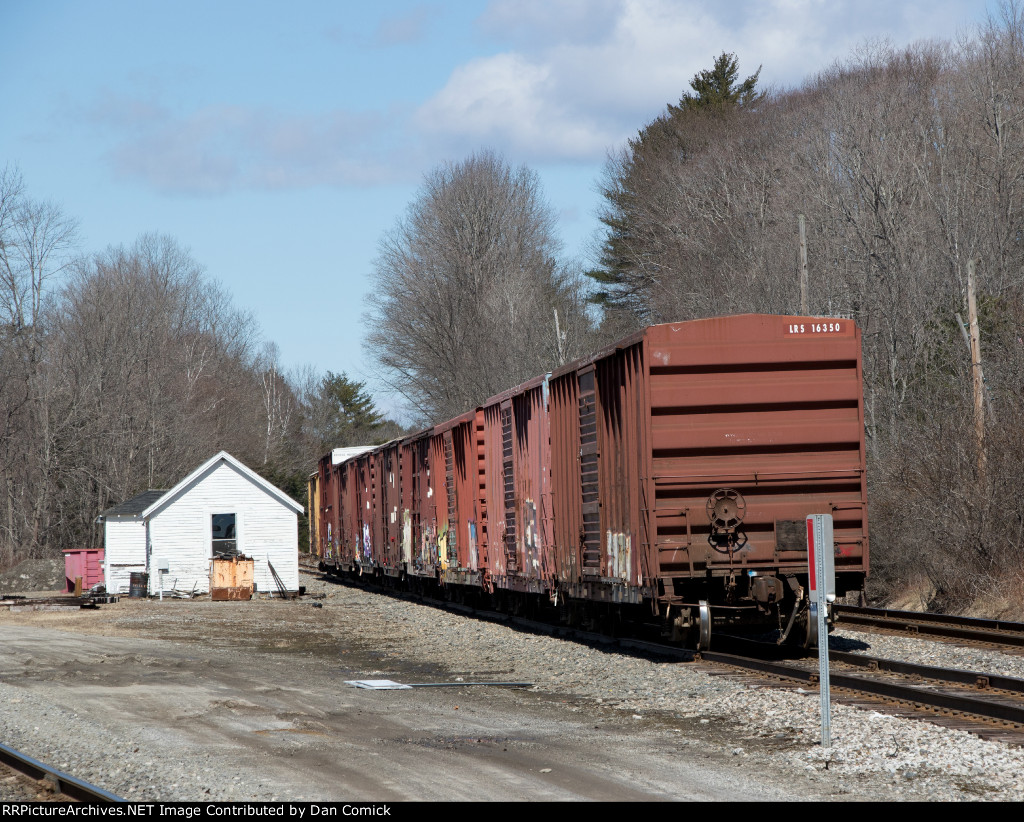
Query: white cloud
point(507, 99)
point(573, 80)
point(584, 77)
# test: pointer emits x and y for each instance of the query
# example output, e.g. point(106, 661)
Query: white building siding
point(125, 552)
point(272, 533)
point(181, 531)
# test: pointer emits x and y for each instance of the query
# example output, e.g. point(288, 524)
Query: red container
point(86, 563)
point(455, 451)
point(328, 504)
point(418, 498)
point(760, 414)
point(517, 488)
point(390, 473)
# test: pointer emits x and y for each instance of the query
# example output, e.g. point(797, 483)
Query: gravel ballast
point(762, 741)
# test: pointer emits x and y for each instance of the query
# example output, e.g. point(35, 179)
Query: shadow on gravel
point(842, 643)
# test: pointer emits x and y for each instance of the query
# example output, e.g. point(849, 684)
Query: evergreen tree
point(629, 258)
point(342, 413)
point(716, 88)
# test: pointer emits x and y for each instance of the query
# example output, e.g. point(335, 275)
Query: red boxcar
point(517, 493)
point(673, 469)
point(455, 453)
point(690, 454)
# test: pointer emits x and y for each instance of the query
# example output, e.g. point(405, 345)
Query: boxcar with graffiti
point(669, 474)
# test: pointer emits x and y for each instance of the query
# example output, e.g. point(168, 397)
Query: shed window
point(224, 542)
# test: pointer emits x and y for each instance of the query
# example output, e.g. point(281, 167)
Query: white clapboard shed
point(222, 504)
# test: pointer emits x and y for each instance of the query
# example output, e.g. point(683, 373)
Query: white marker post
point(821, 567)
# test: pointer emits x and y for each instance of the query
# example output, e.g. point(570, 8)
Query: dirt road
point(209, 700)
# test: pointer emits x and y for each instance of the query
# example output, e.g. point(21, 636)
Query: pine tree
point(343, 413)
point(629, 263)
point(716, 88)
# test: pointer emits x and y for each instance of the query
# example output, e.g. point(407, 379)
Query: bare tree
point(465, 286)
point(161, 372)
point(36, 242)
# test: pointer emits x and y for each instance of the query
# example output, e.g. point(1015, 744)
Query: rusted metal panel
point(516, 447)
point(625, 533)
point(230, 594)
point(479, 468)
point(532, 453)
point(497, 541)
point(315, 515)
point(466, 481)
point(407, 486)
point(371, 511)
point(357, 535)
point(421, 498)
point(390, 478)
point(328, 505)
point(566, 477)
point(438, 500)
point(600, 473)
point(231, 579)
point(456, 457)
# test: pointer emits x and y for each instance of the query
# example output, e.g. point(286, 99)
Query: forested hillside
point(906, 164)
point(125, 370)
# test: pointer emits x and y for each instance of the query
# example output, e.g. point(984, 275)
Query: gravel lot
point(201, 700)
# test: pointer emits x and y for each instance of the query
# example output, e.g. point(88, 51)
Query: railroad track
point(991, 632)
point(55, 780)
point(987, 705)
point(990, 706)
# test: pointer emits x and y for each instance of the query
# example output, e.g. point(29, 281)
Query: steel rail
point(952, 703)
point(939, 625)
point(952, 675)
point(64, 783)
point(908, 694)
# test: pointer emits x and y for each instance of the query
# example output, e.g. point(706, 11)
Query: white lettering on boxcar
point(835, 327)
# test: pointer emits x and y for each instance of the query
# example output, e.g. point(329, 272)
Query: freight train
point(666, 477)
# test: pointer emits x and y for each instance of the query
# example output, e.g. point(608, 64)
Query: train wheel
point(704, 624)
point(805, 630)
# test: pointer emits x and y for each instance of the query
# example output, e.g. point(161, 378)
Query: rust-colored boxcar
point(686, 458)
point(517, 494)
point(455, 455)
point(418, 499)
point(674, 469)
point(328, 504)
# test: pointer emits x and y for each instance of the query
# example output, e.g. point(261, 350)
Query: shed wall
point(125, 542)
point(181, 532)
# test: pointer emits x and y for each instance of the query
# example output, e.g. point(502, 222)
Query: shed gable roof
point(271, 490)
point(135, 505)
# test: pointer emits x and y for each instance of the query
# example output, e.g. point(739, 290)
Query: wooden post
point(977, 375)
point(803, 264)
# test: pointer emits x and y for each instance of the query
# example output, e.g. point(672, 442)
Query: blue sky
point(279, 142)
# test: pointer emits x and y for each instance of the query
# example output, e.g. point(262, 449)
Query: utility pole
point(803, 264)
